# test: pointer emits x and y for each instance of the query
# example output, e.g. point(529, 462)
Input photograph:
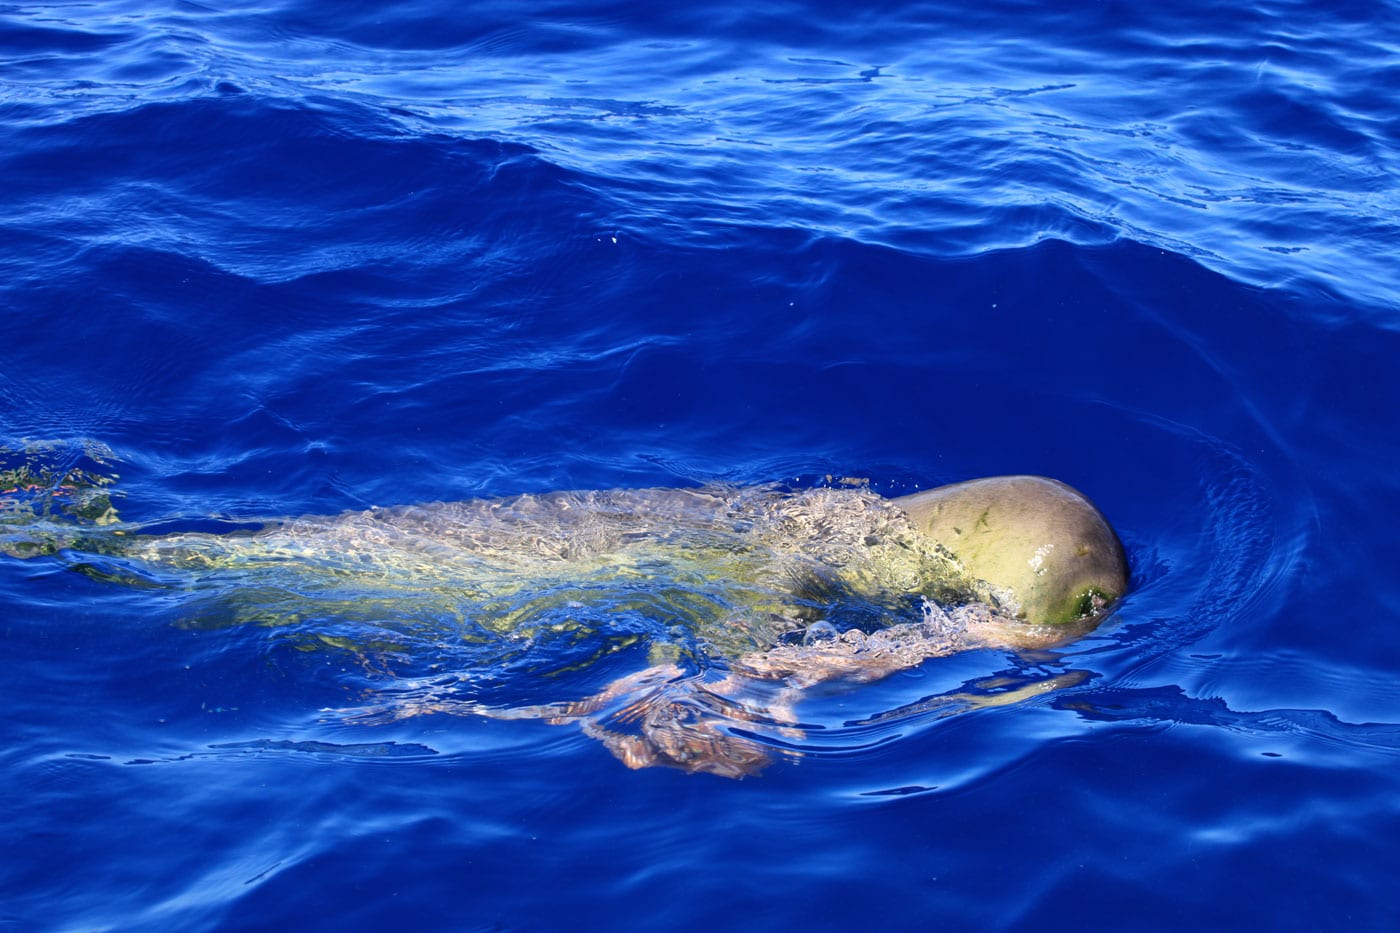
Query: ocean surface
point(293, 258)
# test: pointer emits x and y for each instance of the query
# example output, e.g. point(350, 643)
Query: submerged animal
point(742, 596)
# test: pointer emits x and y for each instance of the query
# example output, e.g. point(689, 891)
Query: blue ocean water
point(301, 258)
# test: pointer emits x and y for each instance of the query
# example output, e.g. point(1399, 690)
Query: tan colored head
point(1037, 537)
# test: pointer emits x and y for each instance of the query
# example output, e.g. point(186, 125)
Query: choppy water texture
point(300, 259)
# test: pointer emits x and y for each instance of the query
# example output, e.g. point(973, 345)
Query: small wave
point(330, 749)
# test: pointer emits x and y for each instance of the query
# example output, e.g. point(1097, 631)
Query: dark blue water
point(292, 257)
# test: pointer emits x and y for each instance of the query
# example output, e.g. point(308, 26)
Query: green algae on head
point(1042, 541)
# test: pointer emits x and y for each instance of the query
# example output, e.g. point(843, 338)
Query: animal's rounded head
point(1041, 540)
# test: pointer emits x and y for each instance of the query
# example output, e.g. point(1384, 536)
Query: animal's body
point(732, 587)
